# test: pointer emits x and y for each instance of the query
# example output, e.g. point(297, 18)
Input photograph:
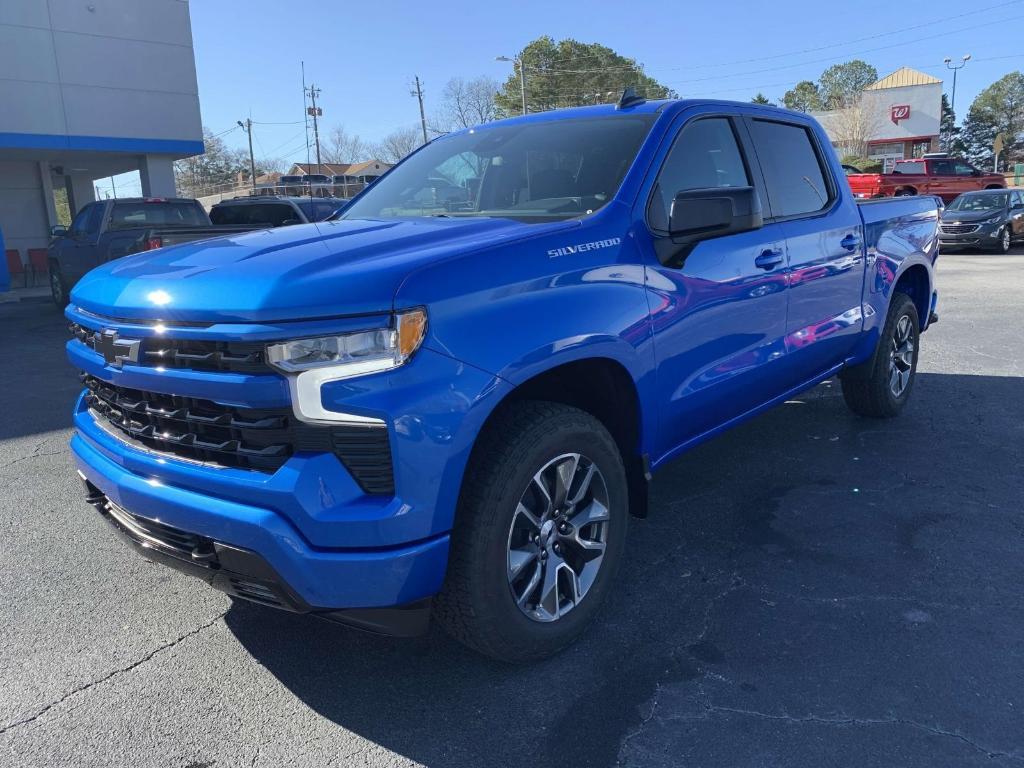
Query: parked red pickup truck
point(945, 177)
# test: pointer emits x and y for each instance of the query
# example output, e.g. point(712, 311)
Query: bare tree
point(340, 146)
point(398, 144)
point(852, 127)
point(465, 103)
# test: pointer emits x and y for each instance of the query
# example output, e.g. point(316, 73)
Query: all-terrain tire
point(477, 605)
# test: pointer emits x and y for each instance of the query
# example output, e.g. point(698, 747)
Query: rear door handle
point(769, 258)
point(850, 242)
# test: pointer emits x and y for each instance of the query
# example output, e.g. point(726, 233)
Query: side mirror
point(1017, 207)
point(975, 172)
point(703, 214)
point(58, 230)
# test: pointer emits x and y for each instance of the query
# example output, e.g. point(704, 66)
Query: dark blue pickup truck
point(449, 399)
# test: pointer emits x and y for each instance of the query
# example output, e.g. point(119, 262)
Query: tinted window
point(964, 169)
point(792, 171)
point(143, 214)
point(256, 214)
point(533, 172)
point(912, 166)
point(943, 167)
point(92, 225)
point(78, 225)
point(1018, 198)
point(704, 155)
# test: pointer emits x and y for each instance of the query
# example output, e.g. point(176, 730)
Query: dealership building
point(90, 89)
point(897, 118)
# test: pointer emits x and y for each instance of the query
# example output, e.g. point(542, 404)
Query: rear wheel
point(882, 388)
point(539, 534)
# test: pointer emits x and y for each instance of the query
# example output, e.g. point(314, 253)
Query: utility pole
point(315, 112)
point(418, 93)
point(247, 127)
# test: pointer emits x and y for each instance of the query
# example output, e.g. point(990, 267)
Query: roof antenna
point(629, 98)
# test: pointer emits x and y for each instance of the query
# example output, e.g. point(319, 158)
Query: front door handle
point(769, 258)
point(850, 243)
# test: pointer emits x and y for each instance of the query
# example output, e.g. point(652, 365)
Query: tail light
point(153, 243)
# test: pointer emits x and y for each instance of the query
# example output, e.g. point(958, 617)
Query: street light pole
point(247, 127)
point(955, 67)
point(518, 62)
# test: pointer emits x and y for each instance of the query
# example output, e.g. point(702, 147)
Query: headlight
point(354, 354)
point(993, 219)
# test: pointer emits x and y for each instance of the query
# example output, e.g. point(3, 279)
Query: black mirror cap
point(702, 214)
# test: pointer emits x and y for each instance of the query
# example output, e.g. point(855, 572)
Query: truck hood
point(298, 272)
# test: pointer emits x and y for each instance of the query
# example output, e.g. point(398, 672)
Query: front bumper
point(985, 235)
point(241, 572)
point(330, 544)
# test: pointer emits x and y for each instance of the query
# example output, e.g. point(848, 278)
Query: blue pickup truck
point(451, 404)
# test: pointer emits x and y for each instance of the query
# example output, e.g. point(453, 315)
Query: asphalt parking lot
point(812, 589)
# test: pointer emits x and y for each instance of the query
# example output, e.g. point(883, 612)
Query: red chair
point(15, 267)
point(39, 264)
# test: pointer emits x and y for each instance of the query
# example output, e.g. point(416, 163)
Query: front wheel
point(539, 533)
point(58, 288)
point(1003, 240)
point(882, 387)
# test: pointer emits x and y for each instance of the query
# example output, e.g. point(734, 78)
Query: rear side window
point(704, 155)
point(912, 166)
point(258, 214)
point(792, 169)
point(143, 214)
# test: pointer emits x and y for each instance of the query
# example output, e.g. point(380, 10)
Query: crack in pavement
point(115, 673)
point(712, 709)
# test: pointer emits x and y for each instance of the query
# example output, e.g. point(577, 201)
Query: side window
point(963, 169)
point(705, 154)
point(943, 168)
point(92, 226)
point(1018, 199)
point(792, 168)
point(78, 224)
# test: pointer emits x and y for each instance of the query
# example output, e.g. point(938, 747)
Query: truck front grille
point(244, 438)
point(198, 430)
point(957, 229)
point(226, 356)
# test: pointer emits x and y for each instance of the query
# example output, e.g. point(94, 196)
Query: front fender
point(516, 311)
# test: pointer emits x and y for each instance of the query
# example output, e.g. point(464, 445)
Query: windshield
point(530, 172)
point(987, 201)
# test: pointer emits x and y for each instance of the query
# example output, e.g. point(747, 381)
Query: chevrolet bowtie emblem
point(114, 349)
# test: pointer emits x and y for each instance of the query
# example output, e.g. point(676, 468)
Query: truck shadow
point(799, 506)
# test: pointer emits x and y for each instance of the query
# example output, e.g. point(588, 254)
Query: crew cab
point(110, 229)
point(451, 404)
point(936, 174)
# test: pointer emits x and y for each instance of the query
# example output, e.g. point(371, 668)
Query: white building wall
point(125, 69)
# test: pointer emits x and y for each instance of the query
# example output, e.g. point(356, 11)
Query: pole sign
point(899, 112)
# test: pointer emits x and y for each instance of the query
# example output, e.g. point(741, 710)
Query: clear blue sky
point(363, 55)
